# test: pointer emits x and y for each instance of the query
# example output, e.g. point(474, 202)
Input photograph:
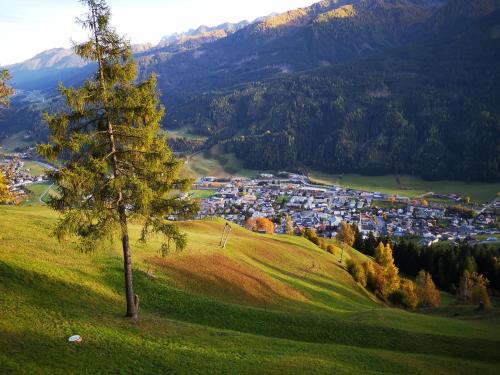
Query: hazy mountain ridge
point(202, 32)
point(277, 81)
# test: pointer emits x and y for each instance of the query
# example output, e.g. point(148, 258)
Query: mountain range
point(368, 86)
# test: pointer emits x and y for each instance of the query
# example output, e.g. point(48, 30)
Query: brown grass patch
point(219, 276)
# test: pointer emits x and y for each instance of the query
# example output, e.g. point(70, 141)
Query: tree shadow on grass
point(40, 353)
point(156, 296)
point(42, 291)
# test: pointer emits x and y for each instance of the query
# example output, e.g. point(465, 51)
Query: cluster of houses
point(19, 176)
point(289, 196)
point(323, 208)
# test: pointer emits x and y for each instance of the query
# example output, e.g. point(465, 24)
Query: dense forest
point(445, 262)
point(430, 109)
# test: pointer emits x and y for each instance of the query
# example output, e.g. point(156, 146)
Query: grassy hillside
point(265, 304)
point(215, 163)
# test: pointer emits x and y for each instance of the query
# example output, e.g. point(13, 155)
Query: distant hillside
point(365, 86)
point(410, 101)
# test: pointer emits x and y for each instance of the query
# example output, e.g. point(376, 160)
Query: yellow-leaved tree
point(383, 256)
point(428, 295)
point(5, 195)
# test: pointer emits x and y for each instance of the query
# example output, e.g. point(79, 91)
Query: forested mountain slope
point(368, 86)
point(429, 108)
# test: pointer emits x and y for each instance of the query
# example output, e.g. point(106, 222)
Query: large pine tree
point(114, 163)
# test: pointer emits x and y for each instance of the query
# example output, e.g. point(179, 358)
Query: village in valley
point(294, 197)
point(18, 167)
point(322, 208)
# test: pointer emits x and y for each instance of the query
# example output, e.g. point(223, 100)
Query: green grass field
point(183, 133)
point(40, 193)
point(213, 163)
point(266, 304)
point(34, 168)
point(411, 186)
point(202, 194)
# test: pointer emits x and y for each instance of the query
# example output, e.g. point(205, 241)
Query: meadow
point(213, 163)
point(411, 186)
point(217, 164)
point(34, 168)
point(265, 304)
point(40, 194)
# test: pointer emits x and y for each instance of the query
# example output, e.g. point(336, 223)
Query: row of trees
point(464, 270)
point(382, 278)
point(312, 236)
point(445, 262)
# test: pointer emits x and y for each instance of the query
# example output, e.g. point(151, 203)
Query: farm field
point(411, 186)
point(202, 194)
point(215, 164)
point(40, 194)
point(265, 304)
point(34, 168)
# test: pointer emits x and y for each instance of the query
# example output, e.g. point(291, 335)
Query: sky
point(28, 27)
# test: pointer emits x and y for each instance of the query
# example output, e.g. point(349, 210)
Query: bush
point(346, 234)
point(260, 224)
point(473, 289)
point(405, 296)
point(375, 278)
point(479, 296)
point(265, 225)
point(427, 293)
point(384, 257)
point(311, 236)
point(331, 249)
point(322, 244)
point(357, 271)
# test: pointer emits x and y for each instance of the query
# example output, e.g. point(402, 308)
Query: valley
point(350, 87)
point(314, 191)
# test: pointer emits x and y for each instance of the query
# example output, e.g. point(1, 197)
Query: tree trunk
point(132, 300)
point(127, 266)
